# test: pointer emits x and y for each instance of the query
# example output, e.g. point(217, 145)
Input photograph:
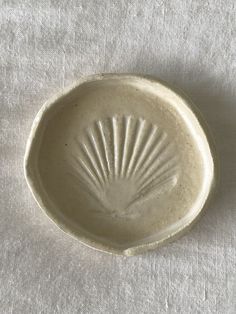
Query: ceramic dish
point(121, 162)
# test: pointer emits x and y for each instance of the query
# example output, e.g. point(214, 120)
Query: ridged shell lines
point(122, 160)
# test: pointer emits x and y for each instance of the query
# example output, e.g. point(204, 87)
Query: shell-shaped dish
point(121, 162)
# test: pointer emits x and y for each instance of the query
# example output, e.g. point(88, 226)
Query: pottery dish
point(121, 162)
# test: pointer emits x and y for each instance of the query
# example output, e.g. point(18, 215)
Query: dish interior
point(122, 161)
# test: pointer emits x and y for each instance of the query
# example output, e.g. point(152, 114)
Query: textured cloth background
point(46, 45)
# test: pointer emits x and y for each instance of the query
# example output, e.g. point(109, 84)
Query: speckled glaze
point(121, 162)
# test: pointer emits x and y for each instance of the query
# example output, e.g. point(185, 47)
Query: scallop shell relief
point(123, 161)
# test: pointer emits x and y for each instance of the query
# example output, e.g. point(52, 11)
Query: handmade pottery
point(121, 162)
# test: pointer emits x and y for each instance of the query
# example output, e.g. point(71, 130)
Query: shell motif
point(123, 161)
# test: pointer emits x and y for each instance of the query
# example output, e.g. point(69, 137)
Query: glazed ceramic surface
point(121, 162)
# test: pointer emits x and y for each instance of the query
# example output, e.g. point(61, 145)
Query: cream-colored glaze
point(121, 162)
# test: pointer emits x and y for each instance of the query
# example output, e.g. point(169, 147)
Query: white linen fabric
point(46, 45)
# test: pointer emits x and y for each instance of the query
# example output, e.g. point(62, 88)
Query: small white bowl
point(121, 162)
